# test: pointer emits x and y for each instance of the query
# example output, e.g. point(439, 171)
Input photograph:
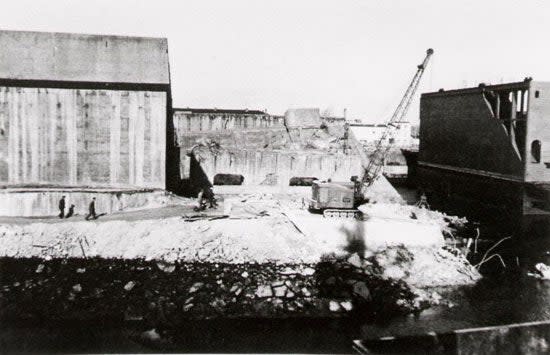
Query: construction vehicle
point(341, 199)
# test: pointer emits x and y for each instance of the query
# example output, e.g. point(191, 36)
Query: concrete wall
point(37, 202)
point(82, 137)
point(459, 130)
point(260, 166)
point(188, 122)
point(538, 128)
point(81, 57)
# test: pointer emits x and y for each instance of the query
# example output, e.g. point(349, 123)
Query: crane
point(376, 160)
point(340, 199)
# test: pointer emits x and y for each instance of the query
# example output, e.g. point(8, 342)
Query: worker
point(91, 210)
point(423, 202)
point(71, 211)
point(211, 198)
point(200, 200)
point(62, 207)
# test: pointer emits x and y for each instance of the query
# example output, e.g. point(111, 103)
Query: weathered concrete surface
point(303, 118)
point(44, 202)
point(82, 137)
point(488, 144)
point(278, 167)
point(189, 121)
point(458, 130)
point(538, 129)
point(81, 57)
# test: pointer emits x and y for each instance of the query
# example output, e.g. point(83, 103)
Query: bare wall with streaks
point(70, 137)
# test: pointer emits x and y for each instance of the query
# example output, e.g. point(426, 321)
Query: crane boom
point(376, 161)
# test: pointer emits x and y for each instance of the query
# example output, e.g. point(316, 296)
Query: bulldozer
point(341, 199)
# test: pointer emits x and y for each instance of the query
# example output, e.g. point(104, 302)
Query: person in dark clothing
point(71, 211)
point(91, 210)
point(62, 207)
point(210, 197)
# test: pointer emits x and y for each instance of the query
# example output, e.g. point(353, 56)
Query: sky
point(274, 55)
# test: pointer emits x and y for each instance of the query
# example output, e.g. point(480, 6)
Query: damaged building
point(81, 114)
point(255, 148)
point(490, 143)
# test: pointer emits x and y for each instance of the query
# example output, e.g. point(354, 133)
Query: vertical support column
point(114, 158)
point(132, 118)
point(23, 121)
point(14, 132)
point(34, 127)
point(70, 119)
point(140, 139)
point(497, 111)
point(52, 108)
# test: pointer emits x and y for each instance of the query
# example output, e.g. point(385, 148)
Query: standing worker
point(91, 210)
point(211, 198)
point(62, 207)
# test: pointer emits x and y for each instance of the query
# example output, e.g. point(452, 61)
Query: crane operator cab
point(336, 199)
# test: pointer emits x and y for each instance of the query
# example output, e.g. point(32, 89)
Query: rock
point(435, 297)
point(219, 282)
point(196, 286)
point(308, 271)
point(77, 288)
point(280, 291)
point(334, 306)
point(305, 292)
point(288, 284)
point(244, 274)
point(40, 268)
point(544, 271)
point(187, 307)
point(360, 289)
point(355, 260)
point(290, 294)
point(264, 291)
point(236, 289)
point(81, 270)
point(129, 286)
point(277, 284)
point(151, 335)
point(288, 271)
point(187, 301)
point(166, 267)
point(346, 305)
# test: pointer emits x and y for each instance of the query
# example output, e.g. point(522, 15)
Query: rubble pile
point(151, 292)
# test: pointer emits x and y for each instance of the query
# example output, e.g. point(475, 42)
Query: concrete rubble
point(269, 257)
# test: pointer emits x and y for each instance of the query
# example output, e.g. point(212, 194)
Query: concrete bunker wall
point(278, 167)
point(459, 130)
point(538, 134)
point(71, 137)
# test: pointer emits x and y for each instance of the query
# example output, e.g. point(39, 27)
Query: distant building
point(370, 134)
point(82, 111)
point(489, 143)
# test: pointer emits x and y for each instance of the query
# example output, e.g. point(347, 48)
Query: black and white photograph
point(275, 177)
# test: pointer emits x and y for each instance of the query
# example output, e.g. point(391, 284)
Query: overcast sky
point(272, 55)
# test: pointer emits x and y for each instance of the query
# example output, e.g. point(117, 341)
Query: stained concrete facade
point(490, 143)
point(73, 137)
point(83, 110)
point(265, 149)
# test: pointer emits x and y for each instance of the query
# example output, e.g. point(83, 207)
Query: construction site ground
point(259, 254)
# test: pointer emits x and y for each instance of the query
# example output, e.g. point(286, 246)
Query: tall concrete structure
point(83, 111)
point(489, 143)
point(262, 149)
